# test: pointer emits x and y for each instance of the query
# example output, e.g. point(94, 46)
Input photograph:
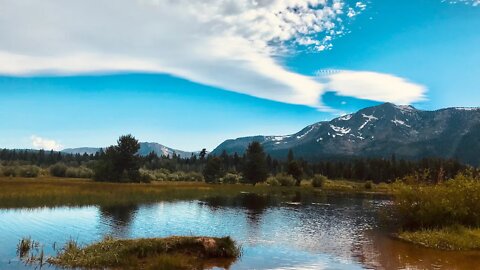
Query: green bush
point(165, 175)
point(319, 180)
point(454, 202)
point(9, 171)
point(368, 185)
point(78, 172)
point(281, 179)
point(58, 170)
point(272, 181)
point(28, 171)
point(231, 178)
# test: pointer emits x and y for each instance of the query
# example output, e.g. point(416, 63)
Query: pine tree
point(255, 167)
point(120, 163)
point(295, 170)
point(213, 170)
point(290, 156)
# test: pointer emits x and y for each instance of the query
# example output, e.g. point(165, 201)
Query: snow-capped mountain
point(379, 131)
point(145, 149)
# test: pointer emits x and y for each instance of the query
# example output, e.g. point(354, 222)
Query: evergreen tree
point(295, 170)
point(203, 154)
point(213, 170)
point(120, 163)
point(255, 167)
point(290, 156)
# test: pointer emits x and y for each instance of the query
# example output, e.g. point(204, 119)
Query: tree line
point(122, 163)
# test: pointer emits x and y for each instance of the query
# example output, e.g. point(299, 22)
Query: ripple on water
point(329, 233)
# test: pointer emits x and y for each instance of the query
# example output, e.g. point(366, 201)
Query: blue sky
point(188, 81)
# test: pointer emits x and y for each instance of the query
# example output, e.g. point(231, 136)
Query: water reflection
point(384, 252)
point(255, 205)
point(118, 217)
point(287, 230)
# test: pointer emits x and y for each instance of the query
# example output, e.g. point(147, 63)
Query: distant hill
point(81, 150)
point(379, 131)
point(145, 149)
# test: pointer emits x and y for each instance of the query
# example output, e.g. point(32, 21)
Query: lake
point(305, 231)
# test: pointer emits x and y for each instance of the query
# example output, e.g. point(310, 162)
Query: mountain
point(81, 150)
point(379, 131)
point(145, 149)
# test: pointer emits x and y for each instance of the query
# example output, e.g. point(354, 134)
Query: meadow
point(18, 192)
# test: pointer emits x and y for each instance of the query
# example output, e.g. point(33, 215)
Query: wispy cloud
point(43, 143)
point(372, 86)
point(474, 3)
point(231, 44)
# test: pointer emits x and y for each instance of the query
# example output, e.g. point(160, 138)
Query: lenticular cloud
point(230, 44)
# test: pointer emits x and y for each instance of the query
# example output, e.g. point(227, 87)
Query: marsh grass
point(51, 192)
point(148, 253)
point(443, 216)
point(453, 202)
point(24, 247)
point(31, 252)
point(449, 238)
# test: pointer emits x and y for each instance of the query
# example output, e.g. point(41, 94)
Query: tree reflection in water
point(118, 217)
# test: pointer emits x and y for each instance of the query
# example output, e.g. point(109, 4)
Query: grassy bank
point(52, 191)
point(449, 238)
point(444, 215)
point(148, 253)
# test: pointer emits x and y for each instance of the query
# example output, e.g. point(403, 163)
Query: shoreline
point(52, 191)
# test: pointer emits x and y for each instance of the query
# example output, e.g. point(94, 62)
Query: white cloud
point(474, 3)
point(373, 86)
point(231, 44)
point(47, 144)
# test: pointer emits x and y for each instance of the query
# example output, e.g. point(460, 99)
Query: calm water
point(315, 232)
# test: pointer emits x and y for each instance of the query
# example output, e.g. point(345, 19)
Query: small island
point(147, 253)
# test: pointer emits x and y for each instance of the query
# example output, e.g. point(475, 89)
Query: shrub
point(9, 171)
point(272, 181)
point(58, 170)
point(231, 178)
point(281, 179)
point(453, 202)
point(28, 171)
point(318, 181)
point(79, 172)
point(368, 185)
point(165, 175)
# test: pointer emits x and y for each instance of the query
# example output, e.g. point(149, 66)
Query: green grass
point(453, 202)
point(451, 238)
point(148, 253)
point(53, 191)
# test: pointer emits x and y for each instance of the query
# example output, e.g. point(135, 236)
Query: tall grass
point(453, 202)
point(52, 191)
point(176, 252)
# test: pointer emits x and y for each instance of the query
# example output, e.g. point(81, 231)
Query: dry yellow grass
point(51, 191)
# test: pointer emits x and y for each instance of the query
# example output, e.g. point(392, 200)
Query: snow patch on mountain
point(312, 127)
point(345, 117)
point(405, 108)
point(467, 108)
point(400, 122)
point(340, 130)
point(369, 118)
